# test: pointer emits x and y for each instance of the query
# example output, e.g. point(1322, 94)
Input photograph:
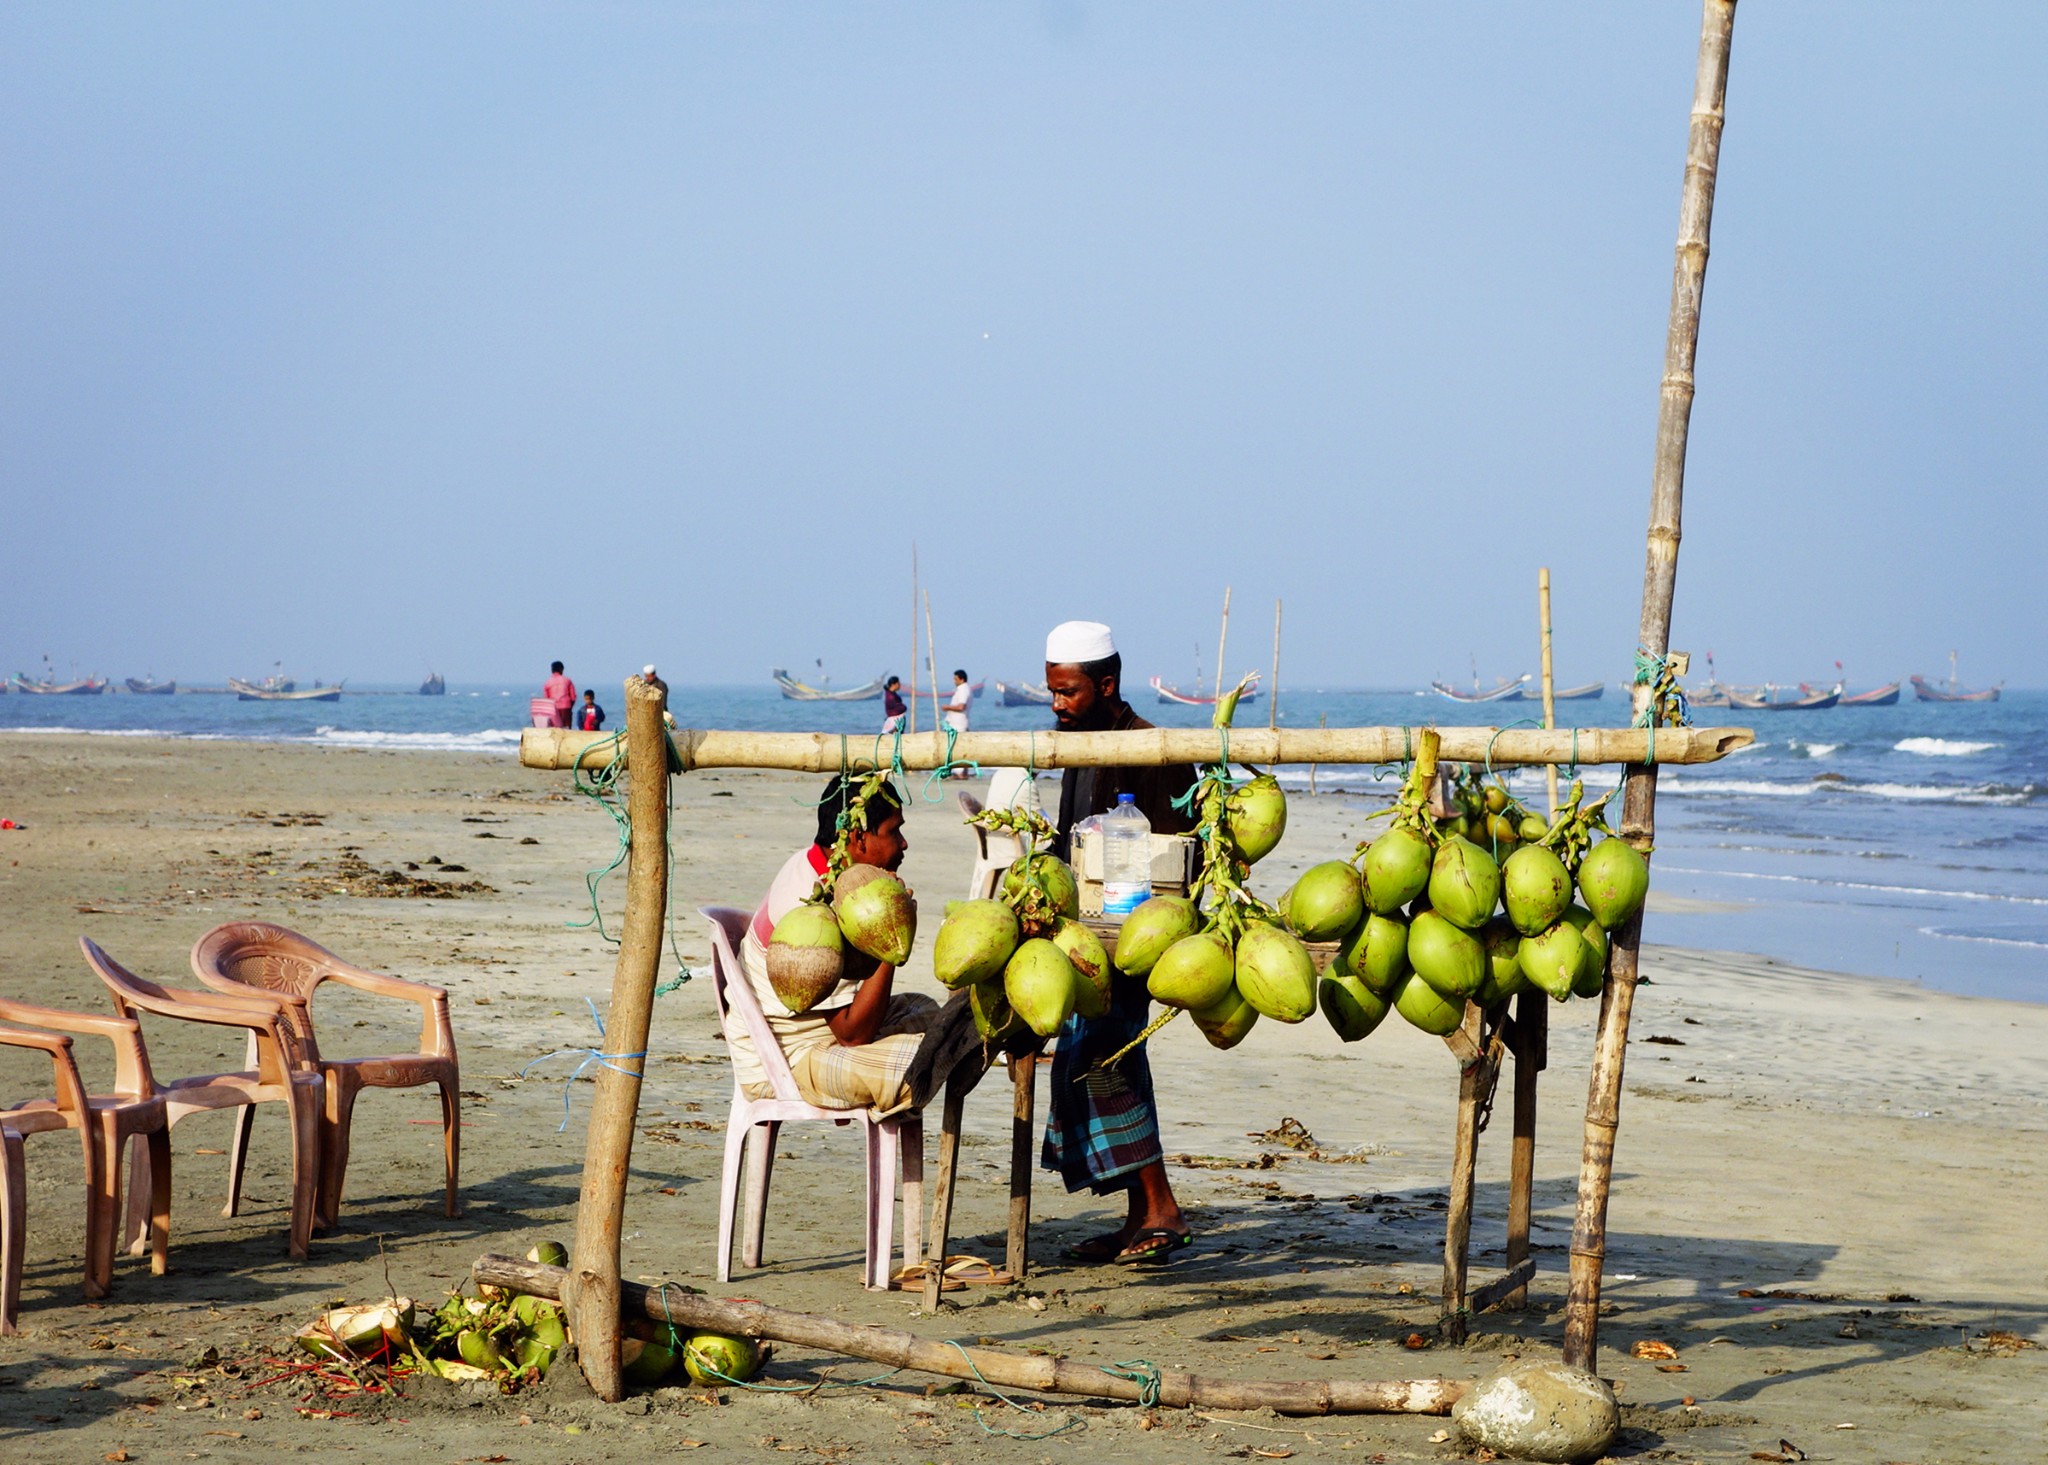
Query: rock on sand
point(1540, 1411)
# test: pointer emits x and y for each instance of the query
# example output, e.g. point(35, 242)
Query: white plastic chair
point(994, 853)
point(894, 1144)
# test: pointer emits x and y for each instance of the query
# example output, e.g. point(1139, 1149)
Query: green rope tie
point(1073, 1420)
point(1142, 1372)
point(947, 767)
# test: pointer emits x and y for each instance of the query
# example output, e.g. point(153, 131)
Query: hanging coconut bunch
point(859, 916)
point(1220, 953)
point(1024, 956)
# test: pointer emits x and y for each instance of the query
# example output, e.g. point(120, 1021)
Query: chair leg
point(159, 1145)
point(13, 1226)
point(238, 1155)
point(134, 1221)
point(304, 1107)
point(104, 1212)
point(881, 1246)
point(760, 1170)
point(910, 1135)
point(451, 1145)
point(736, 1132)
point(338, 1110)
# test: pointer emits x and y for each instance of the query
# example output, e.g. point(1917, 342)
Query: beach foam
point(496, 740)
point(1940, 747)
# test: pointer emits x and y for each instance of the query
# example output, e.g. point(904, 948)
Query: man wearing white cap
point(1103, 1128)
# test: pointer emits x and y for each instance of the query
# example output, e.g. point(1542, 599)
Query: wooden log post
point(957, 1087)
point(1639, 799)
point(1474, 1081)
point(592, 1293)
point(1023, 1112)
point(1528, 1040)
point(693, 1312)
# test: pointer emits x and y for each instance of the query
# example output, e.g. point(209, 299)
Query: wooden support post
point(1639, 799)
point(1529, 1042)
point(1023, 1129)
point(1474, 1081)
point(942, 1200)
point(593, 1284)
point(1549, 678)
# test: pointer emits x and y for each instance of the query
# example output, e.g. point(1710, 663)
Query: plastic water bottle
point(1126, 857)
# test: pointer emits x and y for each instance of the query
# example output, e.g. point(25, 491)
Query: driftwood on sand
point(693, 1312)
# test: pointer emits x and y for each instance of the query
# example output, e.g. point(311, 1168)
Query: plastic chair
point(278, 1073)
point(994, 853)
point(895, 1143)
point(105, 1123)
point(256, 958)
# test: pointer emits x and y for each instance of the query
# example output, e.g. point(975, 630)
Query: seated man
point(852, 1049)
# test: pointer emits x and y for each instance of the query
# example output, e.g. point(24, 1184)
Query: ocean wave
point(1875, 886)
point(96, 732)
point(1985, 940)
point(1762, 787)
point(495, 740)
point(1940, 747)
point(1813, 750)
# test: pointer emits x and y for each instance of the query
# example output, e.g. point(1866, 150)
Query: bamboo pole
point(1023, 1109)
point(1549, 680)
point(1272, 692)
point(1474, 1079)
point(1529, 1038)
point(910, 718)
point(1222, 640)
point(542, 747)
point(1660, 574)
point(931, 655)
point(593, 1293)
point(693, 1312)
point(942, 1202)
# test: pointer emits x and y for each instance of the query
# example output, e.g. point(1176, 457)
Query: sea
point(1907, 841)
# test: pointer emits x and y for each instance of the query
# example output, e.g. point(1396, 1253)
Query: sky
point(374, 338)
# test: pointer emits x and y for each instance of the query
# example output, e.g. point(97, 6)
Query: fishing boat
point(1508, 690)
point(1196, 698)
point(90, 687)
point(1024, 694)
point(1771, 702)
point(797, 691)
point(434, 686)
point(1953, 692)
point(1886, 696)
point(257, 692)
point(1590, 692)
point(151, 687)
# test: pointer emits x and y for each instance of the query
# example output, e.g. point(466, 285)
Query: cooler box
point(542, 711)
point(1176, 859)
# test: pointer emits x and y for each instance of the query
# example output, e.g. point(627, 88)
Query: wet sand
point(1828, 1197)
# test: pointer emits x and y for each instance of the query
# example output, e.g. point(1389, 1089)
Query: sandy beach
point(1828, 1200)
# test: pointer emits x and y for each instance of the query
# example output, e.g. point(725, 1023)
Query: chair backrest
point(267, 957)
point(969, 807)
point(731, 990)
point(132, 993)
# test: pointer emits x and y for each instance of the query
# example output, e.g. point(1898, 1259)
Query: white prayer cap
point(647, 670)
point(1074, 643)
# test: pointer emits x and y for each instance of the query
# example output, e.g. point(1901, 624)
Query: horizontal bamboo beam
point(541, 747)
point(693, 1312)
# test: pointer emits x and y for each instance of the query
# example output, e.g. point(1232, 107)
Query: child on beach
point(590, 717)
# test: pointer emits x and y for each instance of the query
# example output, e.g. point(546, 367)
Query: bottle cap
point(1123, 799)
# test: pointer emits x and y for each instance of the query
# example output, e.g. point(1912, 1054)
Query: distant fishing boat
point(1024, 694)
point(1770, 702)
point(798, 691)
point(1196, 698)
point(1885, 696)
point(434, 686)
point(1590, 692)
point(1953, 692)
point(150, 687)
point(1508, 690)
point(257, 692)
point(90, 687)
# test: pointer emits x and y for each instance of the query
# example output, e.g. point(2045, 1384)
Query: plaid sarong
point(835, 1076)
point(1103, 1129)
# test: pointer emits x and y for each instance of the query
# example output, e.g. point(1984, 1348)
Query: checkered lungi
point(870, 1076)
point(1102, 1130)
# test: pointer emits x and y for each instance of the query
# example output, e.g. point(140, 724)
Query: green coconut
point(1226, 1022)
point(1376, 952)
point(1091, 966)
point(1040, 983)
point(1531, 828)
point(1613, 879)
point(1150, 929)
point(974, 943)
point(644, 1362)
point(1551, 959)
point(1255, 816)
point(993, 1017)
point(1194, 973)
point(1325, 902)
point(1396, 870)
point(1535, 888)
point(1503, 944)
point(1351, 1008)
point(549, 1254)
point(1464, 883)
point(806, 956)
point(876, 913)
point(1050, 873)
point(1275, 973)
point(1426, 1007)
point(1446, 956)
point(478, 1351)
point(717, 1358)
point(1593, 967)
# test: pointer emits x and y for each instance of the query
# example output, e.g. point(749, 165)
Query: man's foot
point(1097, 1249)
point(1152, 1246)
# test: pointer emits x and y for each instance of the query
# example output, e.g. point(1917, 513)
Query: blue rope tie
point(590, 1056)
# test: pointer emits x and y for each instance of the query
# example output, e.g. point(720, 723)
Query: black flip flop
point(1151, 1247)
point(1096, 1249)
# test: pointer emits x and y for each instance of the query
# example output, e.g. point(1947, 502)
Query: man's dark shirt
point(1086, 791)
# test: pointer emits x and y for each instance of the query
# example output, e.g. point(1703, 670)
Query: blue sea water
point(1907, 841)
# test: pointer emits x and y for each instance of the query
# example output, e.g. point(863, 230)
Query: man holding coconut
point(1102, 1131)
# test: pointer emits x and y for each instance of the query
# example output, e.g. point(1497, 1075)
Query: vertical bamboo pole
point(1273, 692)
point(593, 1280)
point(1473, 1081)
point(910, 718)
point(942, 1201)
point(1660, 574)
point(1222, 640)
point(1549, 682)
point(1023, 1111)
point(931, 653)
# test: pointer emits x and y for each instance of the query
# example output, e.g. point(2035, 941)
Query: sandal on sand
point(1096, 1249)
point(1152, 1246)
point(955, 1272)
point(913, 1276)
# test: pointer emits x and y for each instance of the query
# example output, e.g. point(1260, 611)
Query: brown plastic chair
point(105, 1123)
point(279, 1072)
point(244, 958)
